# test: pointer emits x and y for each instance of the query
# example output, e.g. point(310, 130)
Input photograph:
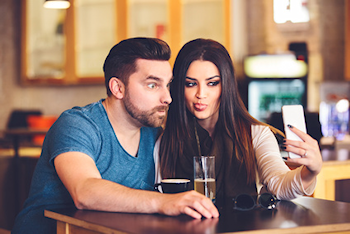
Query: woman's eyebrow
point(190, 78)
point(212, 77)
point(216, 76)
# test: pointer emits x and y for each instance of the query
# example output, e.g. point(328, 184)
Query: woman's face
point(203, 90)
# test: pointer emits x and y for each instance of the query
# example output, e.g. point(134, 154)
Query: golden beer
point(207, 187)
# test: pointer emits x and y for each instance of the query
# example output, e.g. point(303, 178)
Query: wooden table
point(336, 166)
point(302, 215)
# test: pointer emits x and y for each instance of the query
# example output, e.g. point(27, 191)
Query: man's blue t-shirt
point(87, 130)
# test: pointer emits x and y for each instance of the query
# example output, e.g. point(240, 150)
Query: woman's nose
point(200, 92)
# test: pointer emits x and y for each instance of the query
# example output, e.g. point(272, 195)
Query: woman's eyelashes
point(210, 83)
point(214, 83)
point(190, 83)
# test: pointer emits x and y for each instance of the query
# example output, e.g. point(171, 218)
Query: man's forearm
point(99, 194)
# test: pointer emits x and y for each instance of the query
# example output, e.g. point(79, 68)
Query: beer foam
point(175, 181)
point(205, 180)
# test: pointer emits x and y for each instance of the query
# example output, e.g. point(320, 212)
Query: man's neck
point(126, 130)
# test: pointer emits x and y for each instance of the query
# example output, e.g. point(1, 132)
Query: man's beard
point(146, 118)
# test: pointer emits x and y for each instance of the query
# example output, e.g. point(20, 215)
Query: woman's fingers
point(308, 149)
point(304, 136)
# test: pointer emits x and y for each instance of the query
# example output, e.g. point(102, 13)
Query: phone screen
point(293, 115)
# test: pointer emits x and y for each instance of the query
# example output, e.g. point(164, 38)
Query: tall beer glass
point(204, 176)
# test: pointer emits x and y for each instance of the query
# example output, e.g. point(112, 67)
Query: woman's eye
point(214, 83)
point(190, 84)
point(152, 85)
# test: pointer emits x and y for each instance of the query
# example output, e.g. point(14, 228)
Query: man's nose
point(166, 98)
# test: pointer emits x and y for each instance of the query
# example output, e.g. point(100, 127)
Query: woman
point(208, 117)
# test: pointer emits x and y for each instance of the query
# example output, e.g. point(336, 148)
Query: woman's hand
point(308, 149)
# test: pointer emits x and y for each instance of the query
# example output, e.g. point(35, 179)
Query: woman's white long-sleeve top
point(272, 172)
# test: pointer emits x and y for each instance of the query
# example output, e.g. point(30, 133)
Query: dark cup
point(174, 185)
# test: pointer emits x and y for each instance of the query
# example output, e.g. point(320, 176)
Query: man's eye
point(190, 84)
point(152, 85)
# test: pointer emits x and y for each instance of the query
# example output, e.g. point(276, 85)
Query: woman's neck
point(208, 124)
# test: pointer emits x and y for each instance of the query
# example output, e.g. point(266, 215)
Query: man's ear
point(117, 87)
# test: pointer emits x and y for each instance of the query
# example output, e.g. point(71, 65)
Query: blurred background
point(52, 59)
point(284, 52)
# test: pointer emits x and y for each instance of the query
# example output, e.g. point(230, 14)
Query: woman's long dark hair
point(234, 119)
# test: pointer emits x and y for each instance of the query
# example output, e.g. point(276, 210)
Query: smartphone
point(293, 115)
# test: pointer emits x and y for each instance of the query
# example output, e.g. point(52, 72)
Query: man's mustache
point(161, 108)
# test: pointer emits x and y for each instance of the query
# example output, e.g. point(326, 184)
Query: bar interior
point(284, 52)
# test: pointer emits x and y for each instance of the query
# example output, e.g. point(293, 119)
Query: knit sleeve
point(158, 176)
point(272, 171)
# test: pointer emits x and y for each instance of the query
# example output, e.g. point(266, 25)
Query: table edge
point(322, 228)
point(79, 223)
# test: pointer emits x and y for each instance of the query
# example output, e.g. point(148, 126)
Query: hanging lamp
point(56, 4)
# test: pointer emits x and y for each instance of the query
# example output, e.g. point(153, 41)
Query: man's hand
point(191, 203)
point(82, 179)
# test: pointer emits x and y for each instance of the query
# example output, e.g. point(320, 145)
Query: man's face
point(147, 95)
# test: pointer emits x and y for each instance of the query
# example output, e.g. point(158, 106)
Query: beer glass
point(204, 176)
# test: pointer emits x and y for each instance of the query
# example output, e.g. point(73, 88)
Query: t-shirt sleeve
point(73, 131)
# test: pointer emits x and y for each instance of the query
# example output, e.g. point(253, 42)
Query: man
point(100, 157)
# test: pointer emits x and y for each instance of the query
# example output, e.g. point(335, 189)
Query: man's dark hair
point(121, 60)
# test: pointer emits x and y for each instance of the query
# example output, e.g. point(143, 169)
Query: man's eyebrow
point(153, 78)
point(212, 77)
